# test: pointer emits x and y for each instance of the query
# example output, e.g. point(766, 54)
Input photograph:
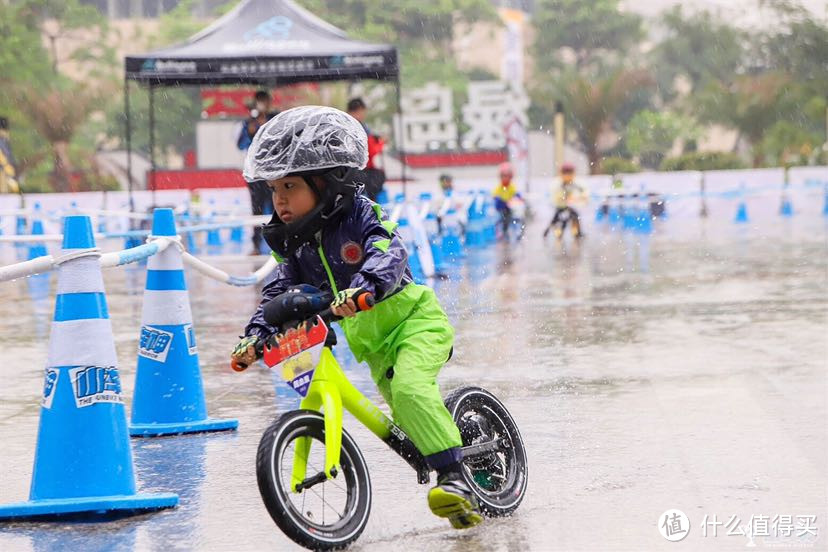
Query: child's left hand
point(342, 305)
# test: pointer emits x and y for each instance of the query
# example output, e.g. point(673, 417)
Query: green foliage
point(403, 21)
point(702, 47)
point(591, 101)
point(703, 161)
point(650, 134)
point(618, 165)
point(589, 30)
point(785, 143)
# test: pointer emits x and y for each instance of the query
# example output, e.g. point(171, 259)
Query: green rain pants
point(410, 333)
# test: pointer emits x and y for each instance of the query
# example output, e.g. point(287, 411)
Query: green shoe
point(453, 499)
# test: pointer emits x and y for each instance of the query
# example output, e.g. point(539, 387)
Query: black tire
point(498, 480)
point(274, 462)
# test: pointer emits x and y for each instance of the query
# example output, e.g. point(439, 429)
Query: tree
point(56, 114)
point(32, 82)
point(404, 22)
point(588, 30)
point(788, 143)
point(750, 105)
point(702, 47)
point(650, 134)
point(592, 103)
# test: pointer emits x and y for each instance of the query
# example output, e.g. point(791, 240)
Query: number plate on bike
point(296, 353)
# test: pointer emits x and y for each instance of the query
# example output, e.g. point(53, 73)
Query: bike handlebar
point(303, 307)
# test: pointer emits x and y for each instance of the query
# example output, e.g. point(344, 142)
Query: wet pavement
point(680, 370)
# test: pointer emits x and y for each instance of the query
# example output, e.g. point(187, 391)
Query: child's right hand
point(244, 353)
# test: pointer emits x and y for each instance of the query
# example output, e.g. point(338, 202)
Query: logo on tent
point(276, 27)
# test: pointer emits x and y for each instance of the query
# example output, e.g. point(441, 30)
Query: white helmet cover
point(306, 139)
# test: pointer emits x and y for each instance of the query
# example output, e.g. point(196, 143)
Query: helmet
point(567, 167)
point(307, 139)
point(505, 168)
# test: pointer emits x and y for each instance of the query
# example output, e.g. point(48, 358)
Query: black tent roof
point(265, 42)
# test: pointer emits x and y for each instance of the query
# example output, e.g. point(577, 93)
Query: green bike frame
point(329, 392)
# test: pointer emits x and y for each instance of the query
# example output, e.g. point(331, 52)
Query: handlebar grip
point(364, 300)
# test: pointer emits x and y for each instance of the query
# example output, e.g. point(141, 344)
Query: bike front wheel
point(327, 515)
point(498, 479)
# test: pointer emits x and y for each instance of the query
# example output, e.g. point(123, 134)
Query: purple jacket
point(362, 251)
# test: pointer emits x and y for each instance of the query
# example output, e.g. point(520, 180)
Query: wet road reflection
point(645, 373)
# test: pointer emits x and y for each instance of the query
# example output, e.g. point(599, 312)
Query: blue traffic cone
point(644, 224)
point(825, 205)
point(37, 249)
point(601, 212)
point(490, 217)
point(741, 213)
point(191, 246)
point(614, 213)
point(629, 215)
point(786, 209)
point(237, 232)
point(382, 197)
point(452, 248)
point(83, 460)
point(474, 225)
point(413, 256)
point(20, 225)
point(169, 397)
point(435, 243)
point(213, 236)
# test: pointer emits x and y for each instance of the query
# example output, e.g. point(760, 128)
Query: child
point(565, 192)
point(326, 234)
point(503, 193)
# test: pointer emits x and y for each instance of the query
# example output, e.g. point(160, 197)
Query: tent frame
point(151, 90)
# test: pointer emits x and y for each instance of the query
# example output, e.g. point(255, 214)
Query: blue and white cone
point(237, 232)
point(435, 243)
point(490, 217)
point(83, 460)
point(414, 263)
point(474, 225)
point(214, 235)
point(452, 248)
point(741, 213)
point(825, 205)
point(786, 209)
point(37, 249)
point(169, 396)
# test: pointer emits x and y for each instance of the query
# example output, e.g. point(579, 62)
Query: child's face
point(292, 198)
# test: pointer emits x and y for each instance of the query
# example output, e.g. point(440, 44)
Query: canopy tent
point(265, 42)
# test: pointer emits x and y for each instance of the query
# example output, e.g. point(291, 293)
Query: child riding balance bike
point(340, 259)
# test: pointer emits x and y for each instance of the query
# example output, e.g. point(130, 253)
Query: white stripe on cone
point(80, 276)
point(166, 308)
point(82, 343)
point(169, 259)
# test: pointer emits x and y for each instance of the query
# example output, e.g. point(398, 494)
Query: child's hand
point(343, 305)
point(244, 353)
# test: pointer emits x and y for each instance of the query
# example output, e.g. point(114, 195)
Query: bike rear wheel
point(498, 479)
point(328, 515)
